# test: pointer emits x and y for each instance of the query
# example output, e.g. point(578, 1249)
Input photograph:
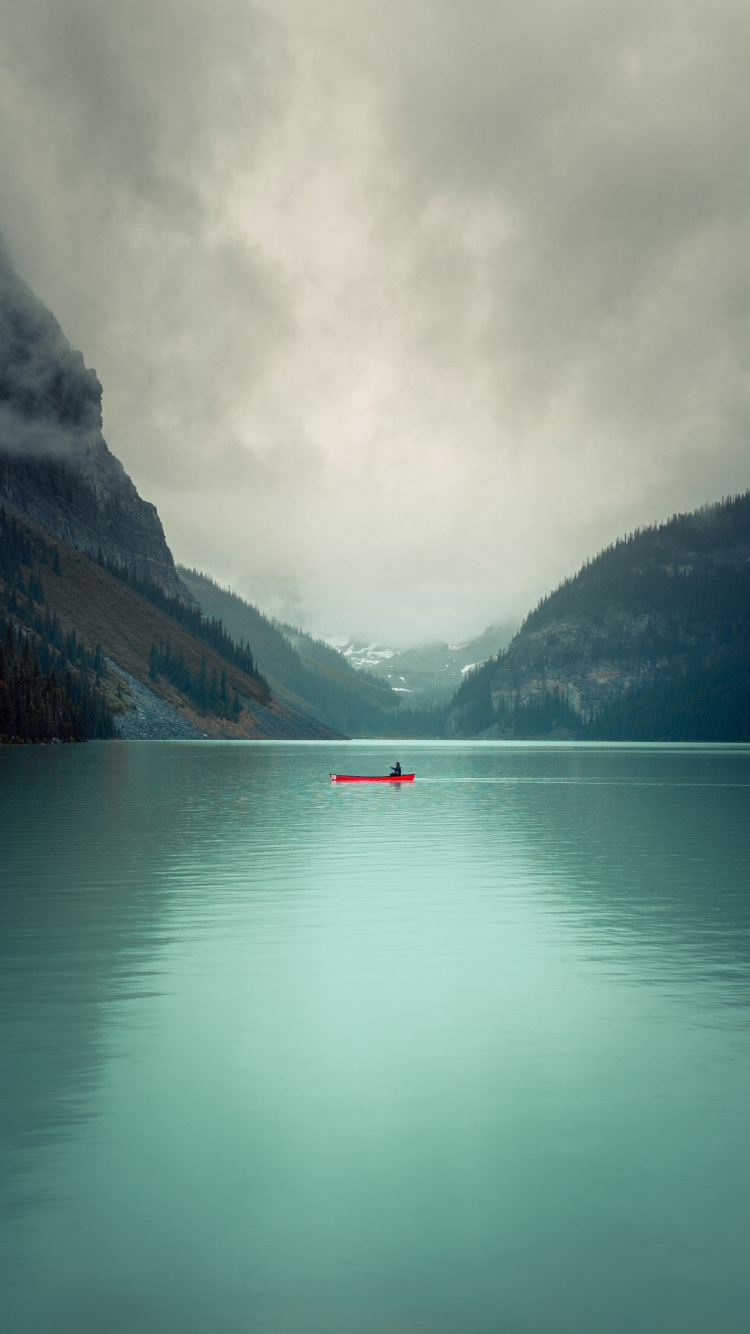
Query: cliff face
point(54, 461)
point(588, 663)
point(649, 609)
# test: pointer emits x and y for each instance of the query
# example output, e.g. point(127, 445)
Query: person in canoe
point(396, 770)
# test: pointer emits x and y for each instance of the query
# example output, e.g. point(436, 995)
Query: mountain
point(99, 634)
point(649, 641)
point(308, 673)
point(155, 662)
point(54, 462)
point(428, 673)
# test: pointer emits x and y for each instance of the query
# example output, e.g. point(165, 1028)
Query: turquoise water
point(280, 1057)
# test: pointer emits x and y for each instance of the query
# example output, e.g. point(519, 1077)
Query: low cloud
point(50, 402)
point(400, 310)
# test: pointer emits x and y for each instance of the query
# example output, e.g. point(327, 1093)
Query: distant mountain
point(54, 462)
point(428, 673)
point(649, 641)
point(307, 672)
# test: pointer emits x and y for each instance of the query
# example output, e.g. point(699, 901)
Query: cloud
point(50, 404)
point(400, 310)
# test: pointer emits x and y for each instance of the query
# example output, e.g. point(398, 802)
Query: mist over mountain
point(426, 673)
point(304, 671)
point(649, 640)
point(356, 686)
point(54, 462)
point(99, 635)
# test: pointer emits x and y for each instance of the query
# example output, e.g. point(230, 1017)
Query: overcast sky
point(401, 309)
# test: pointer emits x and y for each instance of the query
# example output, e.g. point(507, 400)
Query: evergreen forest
point(666, 610)
point(51, 685)
point(317, 676)
point(208, 629)
point(208, 693)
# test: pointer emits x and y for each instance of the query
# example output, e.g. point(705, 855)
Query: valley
point(650, 640)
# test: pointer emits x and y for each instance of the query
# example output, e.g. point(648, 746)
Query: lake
point(467, 1056)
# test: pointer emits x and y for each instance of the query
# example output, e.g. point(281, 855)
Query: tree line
point(689, 576)
point(51, 685)
point(208, 693)
point(672, 600)
point(352, 702)
point(41, 702)
point(209, 631)
point(709, 701)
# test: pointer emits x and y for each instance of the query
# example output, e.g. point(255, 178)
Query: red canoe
point(357, 778)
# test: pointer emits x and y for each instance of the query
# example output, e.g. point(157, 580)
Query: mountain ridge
point(308, 673)
point(655, 606)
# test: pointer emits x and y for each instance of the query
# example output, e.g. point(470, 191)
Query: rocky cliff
point(54, 461)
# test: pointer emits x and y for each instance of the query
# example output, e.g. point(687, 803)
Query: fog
point(401, 310)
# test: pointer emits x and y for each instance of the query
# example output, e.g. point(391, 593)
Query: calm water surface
point(470, 1056)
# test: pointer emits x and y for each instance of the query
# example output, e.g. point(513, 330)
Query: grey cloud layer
point(400, 310)
point(50, 404)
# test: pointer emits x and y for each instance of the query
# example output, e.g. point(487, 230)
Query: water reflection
point(645, 856)
point(284, 1056)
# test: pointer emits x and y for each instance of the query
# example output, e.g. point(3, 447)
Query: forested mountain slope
point(306, 672)
point(86, 574)
point(54, 595)
point(650, 640)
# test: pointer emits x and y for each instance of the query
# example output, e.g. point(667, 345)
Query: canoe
point(365, 778)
